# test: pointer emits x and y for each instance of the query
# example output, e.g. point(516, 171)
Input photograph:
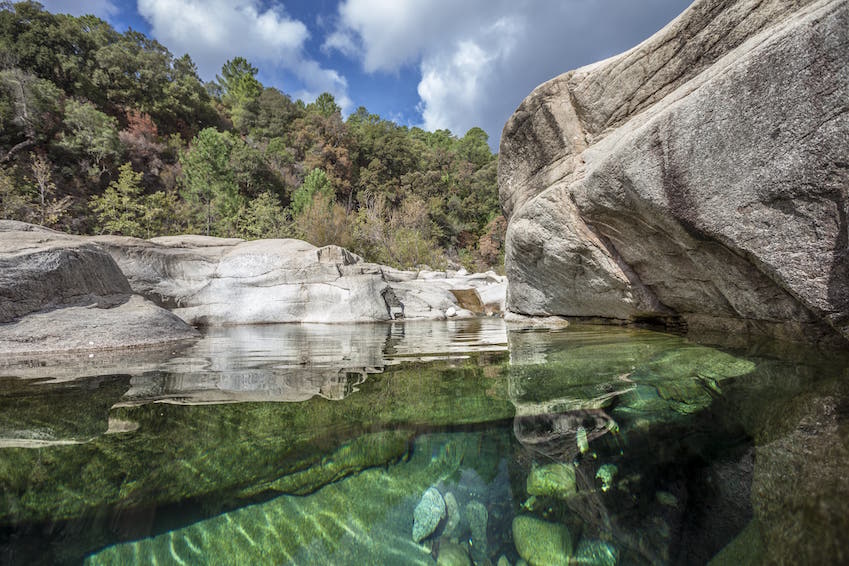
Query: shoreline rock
point(215, 281)
point(60, 293)
point(696, 180)
point(118, 291)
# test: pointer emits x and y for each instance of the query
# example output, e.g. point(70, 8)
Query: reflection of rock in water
point(76, 411)
point(293, 363)
point(559, 436)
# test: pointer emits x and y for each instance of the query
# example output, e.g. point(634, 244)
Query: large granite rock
point(61, 292)
point(701, 176)
point(227, 281)
point(213, 281)
point(206, 281)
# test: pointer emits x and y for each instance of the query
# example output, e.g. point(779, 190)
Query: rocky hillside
point(699, 178)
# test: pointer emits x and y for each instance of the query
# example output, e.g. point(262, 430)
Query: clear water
point(316, 444)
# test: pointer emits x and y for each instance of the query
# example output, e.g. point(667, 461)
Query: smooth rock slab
point(214, 281)
point(131, 322)
point(62, 293)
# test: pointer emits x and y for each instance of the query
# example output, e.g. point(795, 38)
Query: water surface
point(309, 444)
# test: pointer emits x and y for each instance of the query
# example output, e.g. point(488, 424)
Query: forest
point(103, 132)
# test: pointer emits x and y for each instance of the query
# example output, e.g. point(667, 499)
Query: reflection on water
point(304, 444)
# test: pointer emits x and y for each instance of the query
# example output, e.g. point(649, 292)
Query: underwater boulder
point(478, 517)
point(452, 554)
point(542, 543)
point(552, 480)
point(597, 553)
point(452, 510)
point(428, 514)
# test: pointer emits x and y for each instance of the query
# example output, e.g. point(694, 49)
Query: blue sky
point(449, 64)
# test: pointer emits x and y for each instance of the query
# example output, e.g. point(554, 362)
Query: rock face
point(64, 292)
point(224, 281)
point(701, 177)
point(61, 293)
point(214, 281)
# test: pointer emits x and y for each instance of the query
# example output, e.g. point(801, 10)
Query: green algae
point(24, 416)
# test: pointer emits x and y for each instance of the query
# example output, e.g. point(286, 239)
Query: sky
point(436, 64)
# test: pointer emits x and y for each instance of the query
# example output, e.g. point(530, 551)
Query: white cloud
point(213, 31)
point(318, 80)
point(455, 85)
point(479, 58)
point(393, 33)
point(100, 8)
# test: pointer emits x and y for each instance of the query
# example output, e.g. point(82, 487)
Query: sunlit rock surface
point(214, 281)
point(700, 176)
point(61, 292)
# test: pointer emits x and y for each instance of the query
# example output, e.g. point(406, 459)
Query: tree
point(209, 182)
point(240, 91)
point(120, 208)
point(238, 81)
point(315, 183)
point(49, 208)
point(189, 105)
point(133, 71)
point(160, 215)
point(264, 218)
point(123, 209)
point(14, 203)
point(275, 114)
point(474, 147)
point(31, 109)
point(324, 105)
point(90, 132)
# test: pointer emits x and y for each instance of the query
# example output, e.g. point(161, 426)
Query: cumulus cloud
point(213, 31)
point(479, 58)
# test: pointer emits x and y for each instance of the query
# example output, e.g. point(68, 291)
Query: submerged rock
point(596, 553)
point(452, 554)
point(542, 543)
point(698, 176)
point(552, 480)
point(452, 510)
point(428, 514)
point(478, 517)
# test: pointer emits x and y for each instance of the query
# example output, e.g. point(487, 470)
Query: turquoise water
point(459, 442)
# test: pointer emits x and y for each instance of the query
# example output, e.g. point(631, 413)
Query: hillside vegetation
point(108, 132)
